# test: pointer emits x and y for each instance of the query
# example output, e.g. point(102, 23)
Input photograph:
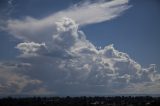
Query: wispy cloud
point(89, 13)
point(84, 14)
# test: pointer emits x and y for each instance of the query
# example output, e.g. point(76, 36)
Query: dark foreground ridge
point(81, 101)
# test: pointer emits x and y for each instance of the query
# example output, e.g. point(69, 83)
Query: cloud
point(30, 48)
point(68, 60)
point(89, 13)
point(57, 56)
point(10, 7)
point(84, 14)
point(14, 82)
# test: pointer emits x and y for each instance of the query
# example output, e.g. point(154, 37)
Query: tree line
point(82, 101)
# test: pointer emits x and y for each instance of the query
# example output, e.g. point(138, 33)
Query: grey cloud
point(12, 81)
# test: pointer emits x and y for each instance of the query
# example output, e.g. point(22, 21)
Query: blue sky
point(131, 26)
point(136, 30)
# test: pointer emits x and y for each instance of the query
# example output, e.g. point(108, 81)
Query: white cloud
point(68, 60)
point(89, 13)
point(30, 48)
point(83, 14)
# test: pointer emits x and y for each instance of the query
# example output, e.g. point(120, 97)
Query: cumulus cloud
point(68, 60)
point(63, 62)
point(30, 48)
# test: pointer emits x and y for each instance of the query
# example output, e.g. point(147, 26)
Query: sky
point(73, 47)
